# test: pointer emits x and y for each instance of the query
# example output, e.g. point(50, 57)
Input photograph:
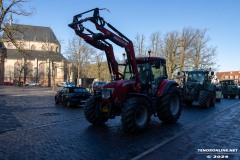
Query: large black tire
point(92, 111)
point(69, 104)
point(218, 100)
point(213, 99)
point(204, 99)
point(225, 96)
point(188, 102)
point(136, 114)
point(232, 96)
point(56, 101)
point(169, 106)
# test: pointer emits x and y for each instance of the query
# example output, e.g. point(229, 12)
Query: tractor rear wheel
point(188, 102)
point(213, 99)
point(135, 114)
point(92, 111)
point(204, 99)
point(232, 96)
point(169, 106)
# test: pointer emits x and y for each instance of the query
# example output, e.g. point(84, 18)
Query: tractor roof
point(198, 71)
point(146, 59)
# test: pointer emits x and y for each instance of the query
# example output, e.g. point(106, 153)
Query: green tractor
point(197, 86)
point(229, 89)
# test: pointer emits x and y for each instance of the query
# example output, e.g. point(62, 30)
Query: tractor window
point(143, 70)
point(127, 74)
point(196, 77)
point(158, 72)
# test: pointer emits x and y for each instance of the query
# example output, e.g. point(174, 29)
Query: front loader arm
point(98, 40)
point(107, 48)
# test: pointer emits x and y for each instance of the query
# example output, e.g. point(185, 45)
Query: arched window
point(55, 70)
point(22, 45)
point(9, 46)
point(29, 71)
point(33, 47)
point(41, 73)
point(17, 69)
point(44, 47)
point(57, 49)
point(52, 48)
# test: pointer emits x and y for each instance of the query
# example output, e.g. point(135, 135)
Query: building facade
point(230, 75)
point(37, 56)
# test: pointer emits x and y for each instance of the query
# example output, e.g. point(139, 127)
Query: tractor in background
point(197, 86)
point(229, 89)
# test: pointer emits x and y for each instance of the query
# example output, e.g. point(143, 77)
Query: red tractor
point(141, 91)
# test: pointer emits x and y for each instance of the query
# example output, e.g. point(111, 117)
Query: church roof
point(32, 33)
point(32, 54)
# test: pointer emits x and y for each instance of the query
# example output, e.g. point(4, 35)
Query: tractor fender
point(164, 86)
point(139, 95)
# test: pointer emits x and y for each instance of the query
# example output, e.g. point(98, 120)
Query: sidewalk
point(216, 137)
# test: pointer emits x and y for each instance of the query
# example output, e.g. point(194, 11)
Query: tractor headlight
point(107, 92)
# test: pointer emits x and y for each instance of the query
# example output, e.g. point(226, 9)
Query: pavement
point(23, 136)
point(215, 137)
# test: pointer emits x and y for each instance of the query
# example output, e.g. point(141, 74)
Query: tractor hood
point(118, 89)
point(192, 87)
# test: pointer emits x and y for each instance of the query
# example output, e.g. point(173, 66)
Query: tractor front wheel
point(92, 111)
point(169, 106)
point(204, 99)
point(135, 114)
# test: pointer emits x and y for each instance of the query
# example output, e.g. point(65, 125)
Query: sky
point(220, 17)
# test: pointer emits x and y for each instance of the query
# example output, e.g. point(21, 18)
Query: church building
point(37, 57)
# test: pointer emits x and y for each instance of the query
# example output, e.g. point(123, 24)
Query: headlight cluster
point(107, 92)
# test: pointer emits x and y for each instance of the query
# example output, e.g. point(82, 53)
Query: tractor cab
point(152, 70)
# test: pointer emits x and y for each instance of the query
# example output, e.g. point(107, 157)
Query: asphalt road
point(33, 127)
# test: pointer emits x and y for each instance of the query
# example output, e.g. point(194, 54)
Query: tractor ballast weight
point(198, 87)
point(141, 91)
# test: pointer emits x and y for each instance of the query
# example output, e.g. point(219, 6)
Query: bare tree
point(188, 35)
point(140, 45)
point(9, 8)
point(168, 48)
point(79, 53)
point(202, 55)
point(99, 62)
point(155, 43)
point(187, 50)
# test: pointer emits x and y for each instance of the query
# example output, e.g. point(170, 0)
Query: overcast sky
point(220, 17)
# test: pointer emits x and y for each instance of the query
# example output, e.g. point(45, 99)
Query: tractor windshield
point(145, 70)
point(195, 77)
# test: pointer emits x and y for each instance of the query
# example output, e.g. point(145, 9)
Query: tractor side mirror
point(212, 73)
point(178, 73)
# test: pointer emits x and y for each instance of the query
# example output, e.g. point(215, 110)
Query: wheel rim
point(68, 104)
point(174, 105)
point(141, 115)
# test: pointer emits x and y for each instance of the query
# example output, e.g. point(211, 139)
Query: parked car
point(31, 84)
point(61, 84)
point(97, 85)
point(7, 84)
point(67, 84)
point(71, 96)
